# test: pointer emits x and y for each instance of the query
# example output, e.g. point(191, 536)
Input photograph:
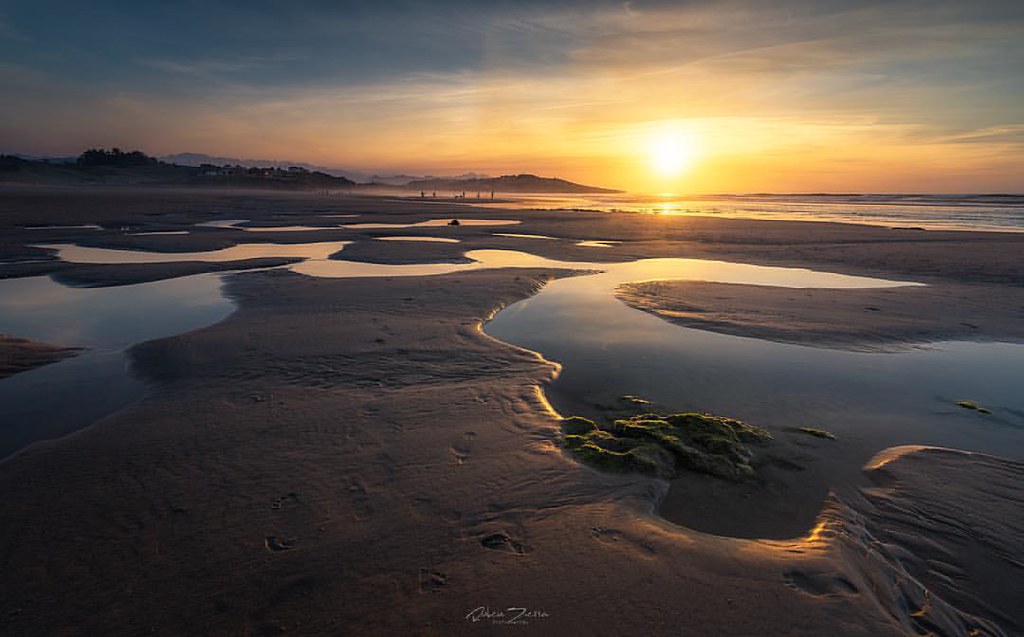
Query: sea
point(990, 212)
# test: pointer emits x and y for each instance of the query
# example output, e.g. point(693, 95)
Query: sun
point(671, 152)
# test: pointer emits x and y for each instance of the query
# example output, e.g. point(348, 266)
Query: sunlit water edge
point(606, 348)
point(968, 212)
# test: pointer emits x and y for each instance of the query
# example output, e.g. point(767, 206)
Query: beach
point(356, 455)
point(882, 319)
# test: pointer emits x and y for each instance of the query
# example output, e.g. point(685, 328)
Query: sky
point(657, 97)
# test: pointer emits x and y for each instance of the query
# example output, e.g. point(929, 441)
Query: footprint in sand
point(502, 542)
point(274, 543)
point(607, 535)
point(360, 498)
point(819, 584)
point(460, 450)
point(279, 503)
point(432, 581)
point(459, 454)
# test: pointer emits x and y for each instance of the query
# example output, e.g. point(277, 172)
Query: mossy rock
point(644, 458)
point(662, 445)
point(719, 425)
point(577, 425)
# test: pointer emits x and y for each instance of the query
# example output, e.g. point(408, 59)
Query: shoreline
point(841, 247)
point(365, 423)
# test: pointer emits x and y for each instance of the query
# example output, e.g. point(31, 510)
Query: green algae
point(577, 425)
point(636, 400)
point(817, 433)
point(663, 445)
point(967, 404)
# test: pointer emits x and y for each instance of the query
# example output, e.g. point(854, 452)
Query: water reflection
point(288, 228)
point(57, 399)
point(874, 400)
point(1004, 213)
point(221, 223)
point(84, 254)
point(645, 269)
point(236, 224)
point(434, 223)
point(87, 226)
point(607, 348)
point(420, 238)
point(514, 235)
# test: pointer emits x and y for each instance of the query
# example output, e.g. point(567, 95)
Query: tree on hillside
point(115, 157)
point(12, 162)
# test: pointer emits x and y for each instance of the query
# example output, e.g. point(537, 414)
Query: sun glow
point(671, 152)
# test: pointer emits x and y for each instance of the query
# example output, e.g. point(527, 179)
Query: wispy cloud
point(454, 86)
point(221, 69)
point(1012, 134)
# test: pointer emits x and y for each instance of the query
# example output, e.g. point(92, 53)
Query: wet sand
point(20, 354)
point(356, 456)
point(107, 275)
point(866, 319)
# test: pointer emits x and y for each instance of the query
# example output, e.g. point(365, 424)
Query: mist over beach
point(551, 318)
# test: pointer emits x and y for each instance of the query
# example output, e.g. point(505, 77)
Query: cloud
point(1010, 135)
point(454, 86)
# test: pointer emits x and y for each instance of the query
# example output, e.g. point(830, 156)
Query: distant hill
point(52, 159)
point(199, 159)
point(507, 183)
point(100, 166)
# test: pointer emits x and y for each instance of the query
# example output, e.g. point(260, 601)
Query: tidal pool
point(869, 401)
point(596, 243)
point(83, 254)
point(607, 349)
point(288, 228)
point(236, 224)
point(516, 235)
point(87, 226)
point(420, 238)
point(53, 400)
point(874, 400)
point(434, 223)
point(222, 223)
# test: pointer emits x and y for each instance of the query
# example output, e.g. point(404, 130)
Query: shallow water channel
point(607, 349)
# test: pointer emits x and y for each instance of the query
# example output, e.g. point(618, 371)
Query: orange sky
point(795, 98)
